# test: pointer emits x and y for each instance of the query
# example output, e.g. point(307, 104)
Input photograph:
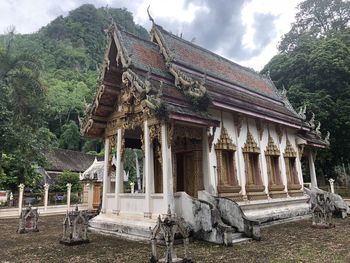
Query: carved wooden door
point(97, 196)
point(189, 174)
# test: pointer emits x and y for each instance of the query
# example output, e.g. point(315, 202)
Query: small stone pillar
point(46, 198)
point(20, 198)
point(69, 188)
point(331, 183)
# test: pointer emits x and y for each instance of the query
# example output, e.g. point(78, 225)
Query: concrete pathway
point(51, 210)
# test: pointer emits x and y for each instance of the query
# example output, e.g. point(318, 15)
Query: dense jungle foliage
point(313, 64)
point(46, 81)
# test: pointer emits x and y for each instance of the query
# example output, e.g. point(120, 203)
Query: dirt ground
point(291, 242)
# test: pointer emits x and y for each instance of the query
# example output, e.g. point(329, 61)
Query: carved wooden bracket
point(238, 120)
point(279, 131)
point(260, 127)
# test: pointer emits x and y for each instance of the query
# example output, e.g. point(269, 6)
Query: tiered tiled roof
point(167, 58)
point(195, 57)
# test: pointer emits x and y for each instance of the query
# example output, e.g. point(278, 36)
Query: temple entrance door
point(97, 196)
point(186, 173)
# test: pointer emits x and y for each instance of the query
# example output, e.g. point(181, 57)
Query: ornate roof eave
point(122, 54)
point(191, 87)
point(88, 122)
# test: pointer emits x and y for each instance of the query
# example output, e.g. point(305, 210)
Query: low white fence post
point(20, 198)
point(46, 198)
point(331, 183)
point(69, 188)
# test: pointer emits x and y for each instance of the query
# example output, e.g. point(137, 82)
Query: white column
point(20, 198)
point(331, 183)
point(147, 169)
point(105, 175)
point(313, 177)
point(46, 198)
point(167, 171)
point(118, 172)
point(69, 188)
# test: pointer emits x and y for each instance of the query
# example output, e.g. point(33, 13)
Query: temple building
point(210, 131)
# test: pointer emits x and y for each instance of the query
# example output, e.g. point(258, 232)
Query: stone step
point(237, 235)
point(242, 239)
point(131, 229)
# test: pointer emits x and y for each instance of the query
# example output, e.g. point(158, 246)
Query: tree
point(317, 19)
point(314, 66)
point(70, 137)
point(22, 131)
point(65, 178)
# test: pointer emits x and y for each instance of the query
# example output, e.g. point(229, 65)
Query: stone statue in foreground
point(28, 220)
point(75, 226)
point(166, 229)
point(322, 211)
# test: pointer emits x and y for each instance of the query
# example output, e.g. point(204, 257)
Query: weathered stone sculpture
point(28, 220)
point(167, 229)
point(75, 226)
point(322, 211)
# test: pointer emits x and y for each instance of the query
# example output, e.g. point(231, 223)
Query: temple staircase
point(214, 219)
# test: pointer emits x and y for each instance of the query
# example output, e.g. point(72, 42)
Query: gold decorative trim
point(189, 86)
point(289, 151)
point(155, 132)
point(188, 132)
point(250, 145)
point(271, 148)
point(225, 142)
point(170, 130)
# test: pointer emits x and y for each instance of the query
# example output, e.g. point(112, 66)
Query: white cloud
point(29, 15)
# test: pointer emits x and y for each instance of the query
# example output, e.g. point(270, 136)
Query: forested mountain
point(46, 80)
point(313, 64)
point(70, 49)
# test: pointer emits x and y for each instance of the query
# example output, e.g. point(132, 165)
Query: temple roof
point(167, 69)
point(94, 172)
point(194, 57)
point(62, 159)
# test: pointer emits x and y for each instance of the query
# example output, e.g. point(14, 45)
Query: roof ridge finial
point(149, 15)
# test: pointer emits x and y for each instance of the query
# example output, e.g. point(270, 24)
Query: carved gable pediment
point(271, 148)
point(289, 152)
point(250, 145)
point(225, 142)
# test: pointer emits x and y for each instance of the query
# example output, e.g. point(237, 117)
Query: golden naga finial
point(149, 15)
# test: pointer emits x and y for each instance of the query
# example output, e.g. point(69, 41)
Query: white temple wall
point(293, 141)
point(261, 138)
point(240, 159)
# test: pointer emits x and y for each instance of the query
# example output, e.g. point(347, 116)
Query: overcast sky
point(245, 31)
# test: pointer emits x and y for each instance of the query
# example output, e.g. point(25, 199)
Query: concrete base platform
point(129, 226)
point(279, 209)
